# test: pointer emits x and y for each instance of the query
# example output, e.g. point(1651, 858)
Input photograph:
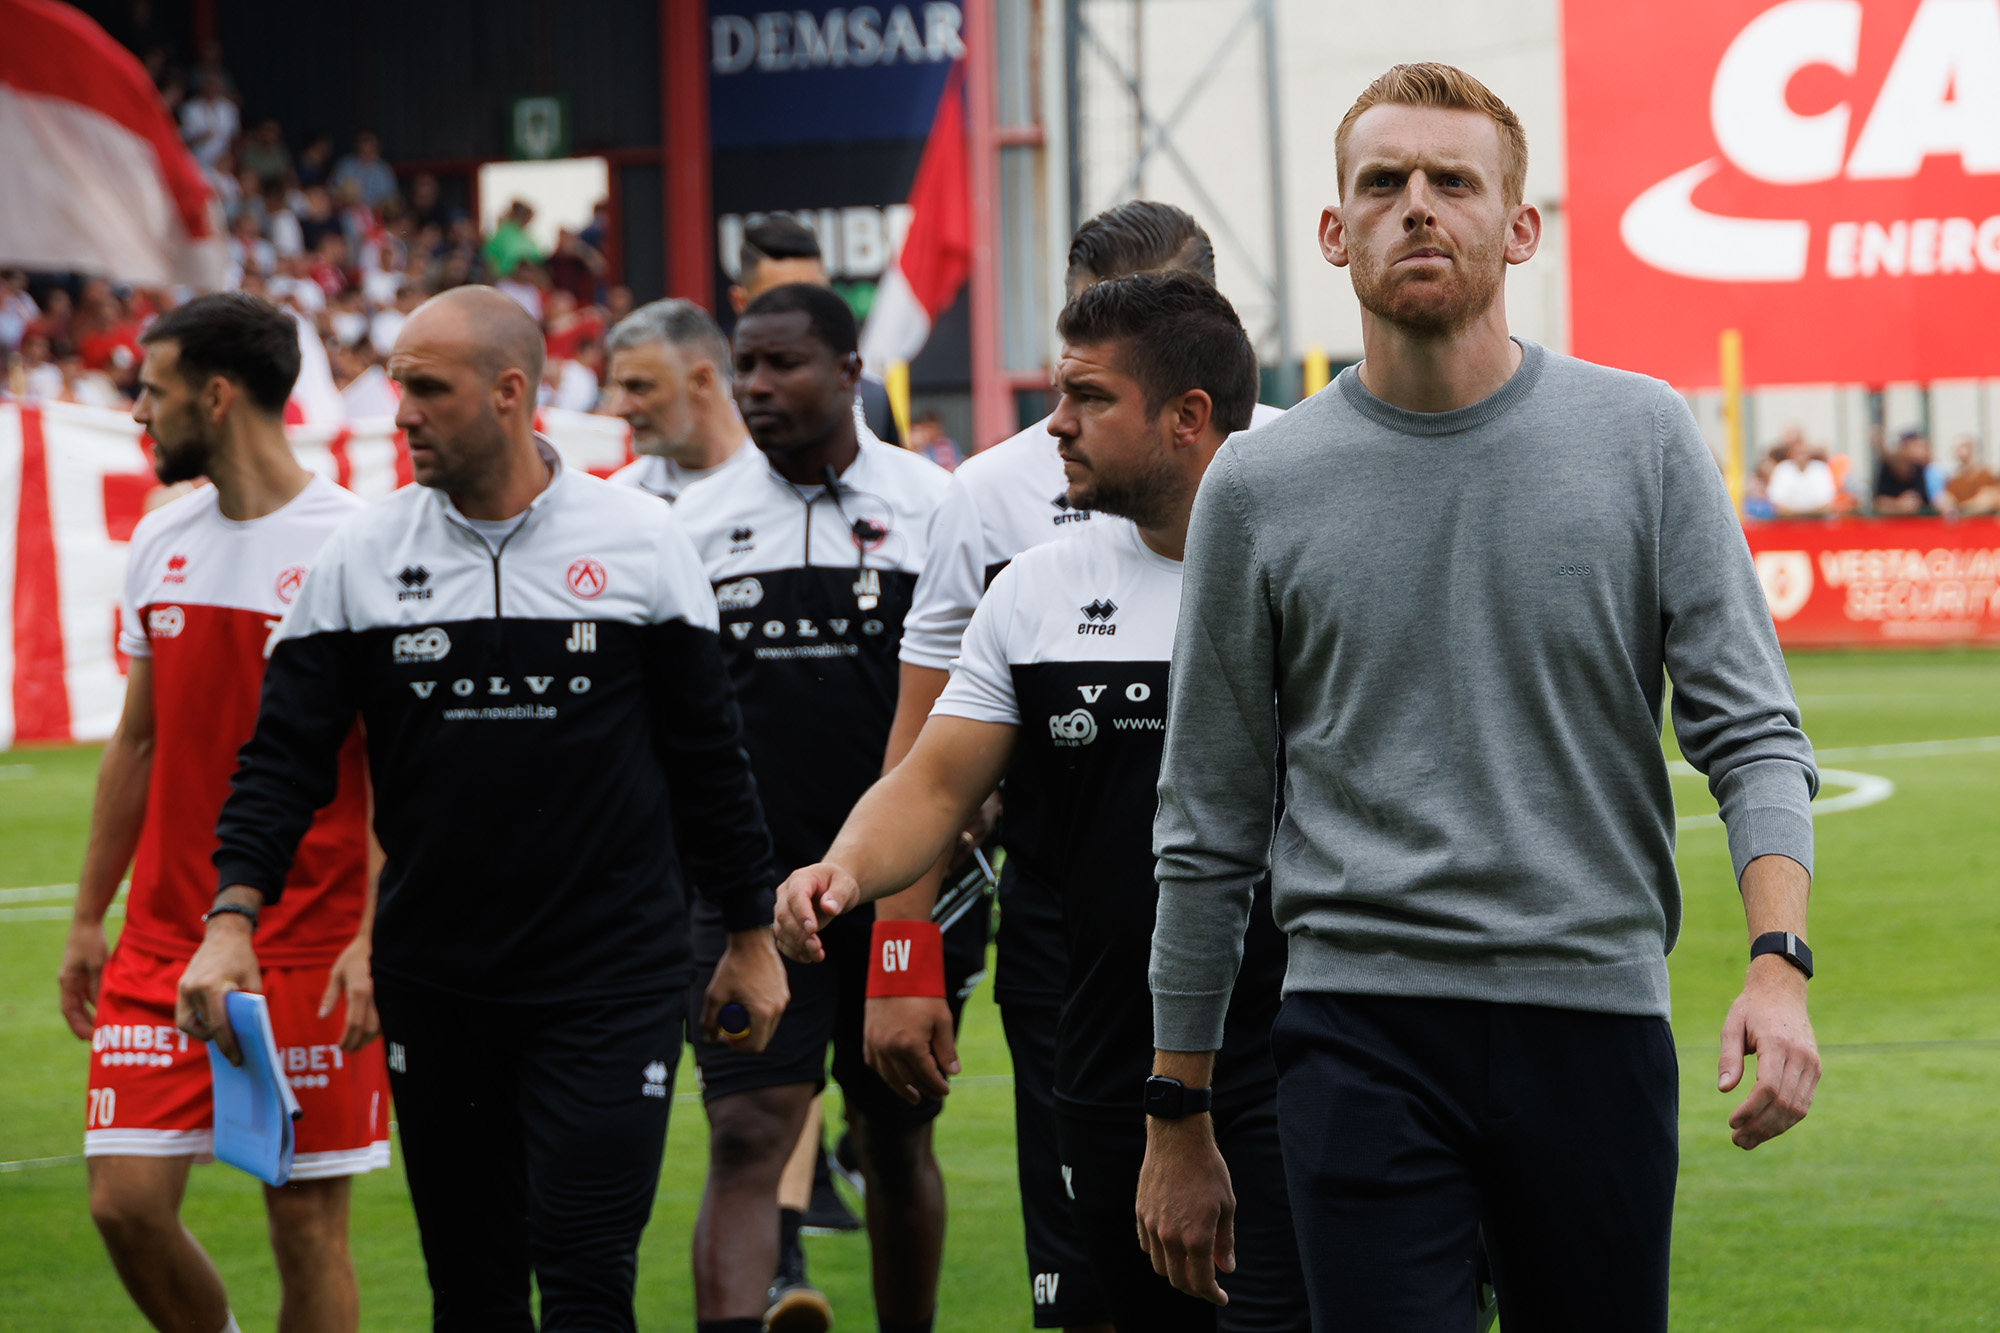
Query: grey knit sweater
point(1467, 619)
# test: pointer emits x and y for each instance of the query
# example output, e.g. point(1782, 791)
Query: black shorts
point(1411, 1125)
point(1267, 1292)
point(1060, 1282)
point(828, 1006)
point(532, 1138)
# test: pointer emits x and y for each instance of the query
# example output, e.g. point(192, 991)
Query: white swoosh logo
point(1665, 229)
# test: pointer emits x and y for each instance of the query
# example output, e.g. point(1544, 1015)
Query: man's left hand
point(1769, 1018)
point(750, 974)
point(351, 973)
point(224, 962)
point(908, 1041)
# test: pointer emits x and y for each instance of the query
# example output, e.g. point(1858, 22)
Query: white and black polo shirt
point(812, 584)
point(1071, 645)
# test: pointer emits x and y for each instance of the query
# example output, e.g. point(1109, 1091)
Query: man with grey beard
point(1462, 574)
point(670, 382)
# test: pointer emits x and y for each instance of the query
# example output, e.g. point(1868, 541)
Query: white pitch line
point(34, 1163)
point(51, 913)
point(1864, 789)
point(1913, 749)
point(41, 893)
point(10, 771)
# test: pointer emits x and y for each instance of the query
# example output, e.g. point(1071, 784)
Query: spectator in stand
point(510, 245)
point(927, 437)
point(1902, 484)
point(209, 122)
point(35, 373)
point(618, 303)
point(319, 217)
point(597, 232)
point(104, 334)
point(388, 322)
point(575, 266)
point(54, 325)
point(528, 286)
point(249, 252)
point(281, 223)
point(364, 171)
point(264, 153)
point(1801, 484)
point(1973, 489)
point(569, 324)
point(17, 309)
point(210, 66)
point(329, 265)
point(315, 160)
point(426, 206)
point(568, 385)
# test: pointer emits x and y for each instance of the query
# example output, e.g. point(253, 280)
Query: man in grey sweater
point(1439, 602)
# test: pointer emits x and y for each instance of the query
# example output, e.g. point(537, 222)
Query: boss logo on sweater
point(429, 645)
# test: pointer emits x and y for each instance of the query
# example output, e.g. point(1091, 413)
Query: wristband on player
point(906, 958)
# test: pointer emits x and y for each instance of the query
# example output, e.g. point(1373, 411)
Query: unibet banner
point(1823, 175)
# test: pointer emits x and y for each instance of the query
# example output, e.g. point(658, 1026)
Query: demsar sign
point(1823, 175)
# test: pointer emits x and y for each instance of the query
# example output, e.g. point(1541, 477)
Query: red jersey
point(203, 596)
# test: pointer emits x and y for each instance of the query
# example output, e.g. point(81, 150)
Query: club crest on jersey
point(289, 581)
point(1097, 617)
point(586, 578)
point(176, 569)
point(166, 622)
point(739, 595)
point(428, 645)
point(1072, 729)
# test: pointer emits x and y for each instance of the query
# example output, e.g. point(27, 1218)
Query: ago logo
point(1822, 174)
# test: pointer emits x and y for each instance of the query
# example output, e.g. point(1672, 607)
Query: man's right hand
point(750, 974)
point(908, 1040)
point(808, 902)
point(78, 978)
point(1186, 1207)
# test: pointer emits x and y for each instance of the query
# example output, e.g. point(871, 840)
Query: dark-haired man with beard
point(208, 577)
point(1061, 688)
point(1463, 574)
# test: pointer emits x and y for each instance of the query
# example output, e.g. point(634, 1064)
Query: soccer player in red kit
point(209, 578)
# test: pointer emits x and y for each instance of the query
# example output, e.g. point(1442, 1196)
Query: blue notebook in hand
point(254, 1106)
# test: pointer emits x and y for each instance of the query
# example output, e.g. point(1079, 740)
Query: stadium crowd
point(335, 236)
point(1796, 478)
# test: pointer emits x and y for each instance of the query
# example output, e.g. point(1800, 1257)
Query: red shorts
point(149, 1085)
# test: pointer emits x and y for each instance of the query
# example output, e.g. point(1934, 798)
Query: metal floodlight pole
point(1073, 108)
point(1280, 283)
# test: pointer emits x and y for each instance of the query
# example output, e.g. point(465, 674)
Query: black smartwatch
point(1171, 1099)
point(1789, 945)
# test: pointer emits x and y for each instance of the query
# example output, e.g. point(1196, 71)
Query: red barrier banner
point(1857, 582)
point(1823, 175)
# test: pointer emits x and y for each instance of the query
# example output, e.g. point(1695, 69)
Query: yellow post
point(1732, 414)
point(1317, 370)
point(897, 381)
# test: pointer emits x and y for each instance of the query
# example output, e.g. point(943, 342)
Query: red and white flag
point(97, 179)
point(936, 254)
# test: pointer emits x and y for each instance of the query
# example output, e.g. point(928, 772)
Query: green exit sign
point(540, 127)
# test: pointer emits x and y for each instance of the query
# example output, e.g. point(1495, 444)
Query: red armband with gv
point(906, 958)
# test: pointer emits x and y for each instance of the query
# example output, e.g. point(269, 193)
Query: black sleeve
point(698, 734)
point(875, 410)
point(290, 766)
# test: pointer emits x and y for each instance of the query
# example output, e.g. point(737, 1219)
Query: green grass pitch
point(1881, 1212)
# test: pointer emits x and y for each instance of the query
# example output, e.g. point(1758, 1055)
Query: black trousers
point(1060, 1281)
point(532, 1138)
point(1410, 1123)
point(1267, 1292)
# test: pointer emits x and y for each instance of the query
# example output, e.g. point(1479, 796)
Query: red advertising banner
point(1823, 175)
point(1848, 582)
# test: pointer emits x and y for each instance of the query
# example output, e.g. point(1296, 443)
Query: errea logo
point(656, 1080)
point(429, 645)
point(1097, 617)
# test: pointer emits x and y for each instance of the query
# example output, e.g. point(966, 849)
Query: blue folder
point(254, 1106)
